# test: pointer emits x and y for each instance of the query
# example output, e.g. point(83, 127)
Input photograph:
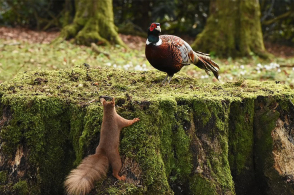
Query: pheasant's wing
point(178, 48)
point(183, 54)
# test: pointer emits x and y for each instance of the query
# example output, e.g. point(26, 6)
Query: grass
point(17, 57)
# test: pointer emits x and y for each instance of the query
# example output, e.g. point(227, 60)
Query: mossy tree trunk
point(233, 29)
point(93, 22)
point(68, 15)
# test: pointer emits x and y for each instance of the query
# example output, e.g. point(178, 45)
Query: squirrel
point(81, 180)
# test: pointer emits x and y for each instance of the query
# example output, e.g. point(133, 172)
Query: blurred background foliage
point(179, 17)
point(277, 20)
point(33, 14)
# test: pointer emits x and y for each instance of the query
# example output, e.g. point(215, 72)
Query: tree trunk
point(233, 29)
point(93, 22)
point(68, 14)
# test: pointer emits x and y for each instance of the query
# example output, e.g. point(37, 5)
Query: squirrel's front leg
point(130, 122)
point(125, 123)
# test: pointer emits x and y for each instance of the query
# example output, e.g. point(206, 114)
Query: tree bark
point(93, 22)
point(233, 29)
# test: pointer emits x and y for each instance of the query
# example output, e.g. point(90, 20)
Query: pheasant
point(170, 53)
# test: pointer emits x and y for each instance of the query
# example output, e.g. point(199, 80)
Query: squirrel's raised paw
point(121, 178)
point(136, 119)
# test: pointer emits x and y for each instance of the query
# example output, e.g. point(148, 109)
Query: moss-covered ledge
point(192, 138)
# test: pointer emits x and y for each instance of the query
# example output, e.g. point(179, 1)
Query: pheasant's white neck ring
point(156, 44)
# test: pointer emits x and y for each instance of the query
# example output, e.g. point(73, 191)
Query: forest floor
point(24, 50)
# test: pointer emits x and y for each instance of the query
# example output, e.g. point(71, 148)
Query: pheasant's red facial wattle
point(155, 26)
point(152, 27)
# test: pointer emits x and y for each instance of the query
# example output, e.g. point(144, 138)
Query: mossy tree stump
point(233, 29)
point(233, 138)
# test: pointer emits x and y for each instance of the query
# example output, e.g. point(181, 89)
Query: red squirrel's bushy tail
point(81, 180)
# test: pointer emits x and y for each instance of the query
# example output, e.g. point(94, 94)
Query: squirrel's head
point(107, 104)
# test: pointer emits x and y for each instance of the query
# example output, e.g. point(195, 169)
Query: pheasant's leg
point(165, 79)
point(170, 78)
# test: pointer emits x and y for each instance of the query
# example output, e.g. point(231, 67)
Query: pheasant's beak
point(158, 28)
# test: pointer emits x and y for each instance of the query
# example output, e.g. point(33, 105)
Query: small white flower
point(274, 65)
point(267, 67)
point(114, 65)
point(126, 67)
point(279, 70)
point(259, 65)
point(242, 66)
point(243, 72)
point(138, 68)
point(108, 64)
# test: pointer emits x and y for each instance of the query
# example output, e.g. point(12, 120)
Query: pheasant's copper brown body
point(170, 53)
point(167, 57)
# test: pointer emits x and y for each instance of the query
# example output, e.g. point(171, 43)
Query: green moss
point(202, 111)
point(40, 124)
point(105, 187)
point(182, 142)
point(77, 125)
point(213, 134)
point(73, 85)
point(203, 186)
point(59, 122)
point(160, 144)
point(241, 142)
point(125, 189)
point(241, 134)
point(3, 177)
point(21, 187)
point(264, 123)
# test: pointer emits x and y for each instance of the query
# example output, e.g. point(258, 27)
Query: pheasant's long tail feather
point(81, 180)
point(203, 61)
